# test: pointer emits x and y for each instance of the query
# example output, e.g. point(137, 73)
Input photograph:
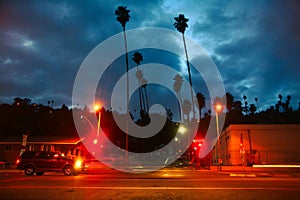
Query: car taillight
point(17, 161)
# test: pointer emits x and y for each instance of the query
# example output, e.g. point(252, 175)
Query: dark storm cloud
point(44, 42)
point(257, 52)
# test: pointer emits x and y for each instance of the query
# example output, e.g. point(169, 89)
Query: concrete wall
point(270, 144)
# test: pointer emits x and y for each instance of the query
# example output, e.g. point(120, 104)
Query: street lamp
point(97, 110)
point(218, 108)
point(182, 129)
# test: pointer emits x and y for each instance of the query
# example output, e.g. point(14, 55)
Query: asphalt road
point(164, 184)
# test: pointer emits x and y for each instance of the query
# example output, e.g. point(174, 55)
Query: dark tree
point(177, 87)
point(181, 25)
point(201, 103)
point(137, 58)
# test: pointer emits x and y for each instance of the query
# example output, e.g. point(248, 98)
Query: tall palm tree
point(140, 76)
point(246, 104)
point(177, 87)
point(137, 58)
point(201, 102)
point(123, 17)
point(286, 105)
point(181, 25)
point(144, 84)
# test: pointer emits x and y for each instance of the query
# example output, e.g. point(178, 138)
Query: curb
point(242, 175)
point(287, 175)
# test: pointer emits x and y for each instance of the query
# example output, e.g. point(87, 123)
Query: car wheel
point(68, 170)
point(29, 170)
point(39, 173)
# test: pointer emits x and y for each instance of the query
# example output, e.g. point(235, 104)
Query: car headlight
point(78, 163)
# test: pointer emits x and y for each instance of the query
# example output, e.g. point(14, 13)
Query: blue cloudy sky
point(255, 44)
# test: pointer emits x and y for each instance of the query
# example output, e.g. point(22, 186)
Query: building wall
point(270, 144)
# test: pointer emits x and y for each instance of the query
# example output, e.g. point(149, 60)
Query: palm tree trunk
point(140, 98)
point(127, 97)
point(179, 106)
point(143, 100)
point(147, 104)
point(139, 83)
point(190, 78)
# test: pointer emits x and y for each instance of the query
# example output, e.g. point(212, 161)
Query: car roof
point(31, 154)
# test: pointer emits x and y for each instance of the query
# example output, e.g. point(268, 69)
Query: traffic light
point(197, 144)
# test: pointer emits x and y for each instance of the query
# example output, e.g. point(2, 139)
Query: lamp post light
point(218, 108)
point(182, 129)
point(97, 109)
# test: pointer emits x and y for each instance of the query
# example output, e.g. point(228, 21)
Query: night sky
point(255, 44)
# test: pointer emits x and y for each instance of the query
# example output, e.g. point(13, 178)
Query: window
point(8, 147)
point(28, 154)
point(44, 155)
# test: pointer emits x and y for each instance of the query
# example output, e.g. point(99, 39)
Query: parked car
point(39, 162)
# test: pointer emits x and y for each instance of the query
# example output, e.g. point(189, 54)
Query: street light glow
point(219, 107)
point(181, 129)
point(95, 141)
point(96, 107)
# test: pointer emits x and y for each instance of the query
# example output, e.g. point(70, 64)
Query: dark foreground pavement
point(168, 183)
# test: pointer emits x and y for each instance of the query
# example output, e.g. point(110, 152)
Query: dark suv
point(40, 161)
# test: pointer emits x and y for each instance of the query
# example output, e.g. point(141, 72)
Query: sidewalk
point(241, 171)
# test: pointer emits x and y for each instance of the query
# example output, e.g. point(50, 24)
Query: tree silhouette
point(256, 101)
point(246, 109)
point(186, 108)
point(144, 84)
point(252, 109)
point(123, 17)
point(137, 58)
point(177, 87)
point(237, 105)
point(287, 103)
point(201, 102)
point(181, 25)
point(279, 104)
point(229, 101)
